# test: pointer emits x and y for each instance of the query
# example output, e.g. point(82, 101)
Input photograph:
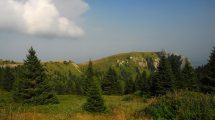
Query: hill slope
point(127, 61)
point(63, 68)
point(142, 60)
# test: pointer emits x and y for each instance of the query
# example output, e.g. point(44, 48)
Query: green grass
point(70, 107)
point(104, 63)
point(62, 67)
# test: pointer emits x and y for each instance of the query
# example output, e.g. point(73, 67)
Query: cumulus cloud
point(43, 17)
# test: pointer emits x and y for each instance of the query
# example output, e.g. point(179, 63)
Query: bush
point(182, 105)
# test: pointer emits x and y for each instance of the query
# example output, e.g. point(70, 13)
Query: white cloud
point(43, 17)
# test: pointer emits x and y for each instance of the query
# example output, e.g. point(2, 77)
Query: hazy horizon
point(82, 29)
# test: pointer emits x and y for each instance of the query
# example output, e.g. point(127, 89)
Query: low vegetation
point(69, 108)
point(182, 105)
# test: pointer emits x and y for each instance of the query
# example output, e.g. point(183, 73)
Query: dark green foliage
point(201, 72)
point(129, 86)
point(1, 76)
point(146, 86)
point(7, 79)
point(32, 86)
point(163, 79)
point(142, 83)
point(65, 84)
point(95, 102)
point(208, 81)
point(88, 77)
point(90, 72)
point(110, 82)
point(175, 63)
point(189, 77)
point(182, 105)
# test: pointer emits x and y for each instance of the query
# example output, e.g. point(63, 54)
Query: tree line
point(30, 84)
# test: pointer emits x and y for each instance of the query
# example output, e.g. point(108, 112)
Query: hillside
point(127, 61)
point(62, 67)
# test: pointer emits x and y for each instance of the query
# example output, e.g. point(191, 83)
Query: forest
point(169, 90)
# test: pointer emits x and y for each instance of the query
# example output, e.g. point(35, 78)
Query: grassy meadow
point(70, 108)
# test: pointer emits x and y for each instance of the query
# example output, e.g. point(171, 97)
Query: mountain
point(128, 61)
point(142, 60)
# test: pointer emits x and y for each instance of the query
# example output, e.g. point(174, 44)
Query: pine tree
point(1, 77)
point(90, 72)
point(208, 82)
point(95, 102)
point(88, 77)
point(110, 84)
point(32, 86)
point(163, 79)
point(189, 79)
point(154, 84)
point(8, 79)
point(146, 85)
point(129, 86)
point(142, 83)
point(175, 63)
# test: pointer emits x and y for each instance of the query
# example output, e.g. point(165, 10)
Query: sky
point(82, 29)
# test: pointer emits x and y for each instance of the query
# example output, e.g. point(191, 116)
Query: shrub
point(182, 105)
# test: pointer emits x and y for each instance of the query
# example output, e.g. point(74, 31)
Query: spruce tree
point(208, 82)
point(88, 77)
point(129, 86)
point(189, 79)
point(1, 76)
point(175, 63)
point(8, 79)
point(110, 84)
point(142, 83)
point(163, 80)
point(32, 86)
point(95, 102)
point(146, 85)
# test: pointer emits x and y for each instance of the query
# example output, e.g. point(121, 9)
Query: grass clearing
point(70, 108)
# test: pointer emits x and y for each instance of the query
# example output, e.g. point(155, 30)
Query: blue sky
point(114, 26)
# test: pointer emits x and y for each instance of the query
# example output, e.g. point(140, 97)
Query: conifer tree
point(1, 76)
point(175, 63)
point(32, 86)
point(146, 85)
point(95, 102)
point(142, 83)
point(8, 79)
point(163, 79)
point(129, 86)
point(208, 82)
point(110, 84)
point(189, 80)
point(90, 72)
point(88, 77)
